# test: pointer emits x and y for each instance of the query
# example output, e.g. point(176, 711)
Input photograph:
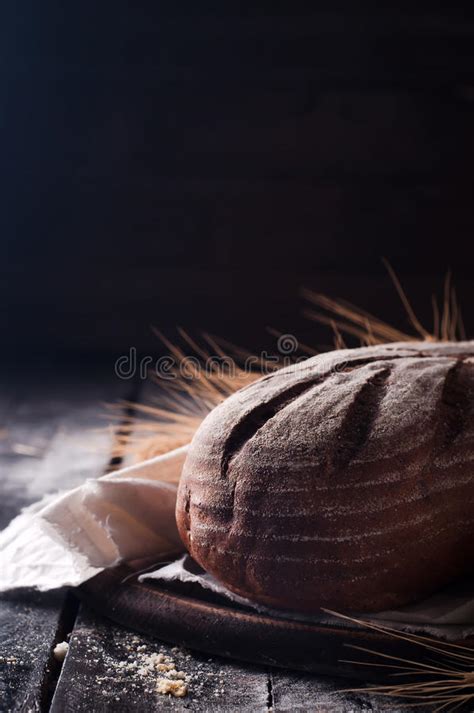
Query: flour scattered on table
point(110, 662)
point(146, 670)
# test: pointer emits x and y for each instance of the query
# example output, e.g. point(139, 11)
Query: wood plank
point(289, 130)
point(234, 43)
point(48, 443)
point(159, 141)
point(97, 675)
point(248, 229)
point(30, 625)
point(231, 302)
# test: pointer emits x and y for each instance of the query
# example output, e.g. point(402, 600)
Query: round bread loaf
point(345, 481)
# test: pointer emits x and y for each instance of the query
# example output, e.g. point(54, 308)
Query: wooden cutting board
point(187, 615)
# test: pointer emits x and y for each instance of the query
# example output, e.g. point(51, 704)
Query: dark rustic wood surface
point(50, 440)
point(197, 163)
point(92, 679)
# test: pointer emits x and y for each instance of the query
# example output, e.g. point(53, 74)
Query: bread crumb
point(60, 651)
point(175, 688)
point(155, 671)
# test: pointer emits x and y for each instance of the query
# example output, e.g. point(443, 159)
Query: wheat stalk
point(183, 403)
point(171, 419)
point(444, 682)
point(345, 318)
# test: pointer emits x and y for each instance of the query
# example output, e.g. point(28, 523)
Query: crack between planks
point(52, 670)
point(269, 692)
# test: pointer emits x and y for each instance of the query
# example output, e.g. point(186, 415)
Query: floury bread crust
point(345, 481)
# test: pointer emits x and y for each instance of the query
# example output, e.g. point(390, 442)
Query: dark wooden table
point(54, 436)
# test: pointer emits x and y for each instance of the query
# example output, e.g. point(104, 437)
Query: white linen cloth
point(66, 539)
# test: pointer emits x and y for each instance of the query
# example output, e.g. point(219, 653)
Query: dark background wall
point(180, 163)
